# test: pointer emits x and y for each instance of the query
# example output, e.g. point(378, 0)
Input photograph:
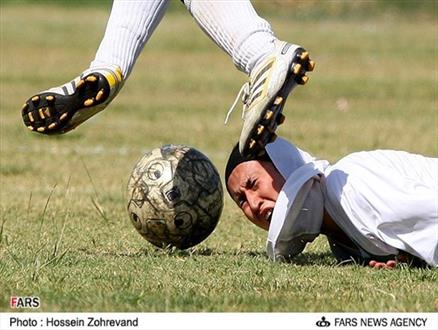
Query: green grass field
point(65, 235)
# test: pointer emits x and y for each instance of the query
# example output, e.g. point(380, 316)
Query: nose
point(254, 203)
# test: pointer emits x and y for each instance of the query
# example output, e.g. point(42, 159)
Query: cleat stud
point(63, 116)
point(47, 112)
point(297, 68)
point(252, 144)
point(311, 65)
point(25, 107)
point(50, 98)
point(304, 80)
point(35, 99)
point(80, 83)
point(52, 125)
point(30, 128)
point(91, 79)
point(31, 117)
point(41, 112)
point(260, 129)
point(99, 95)
point(88, 102)
point(278, 100)
point(269, 114)
point(304, 55)
point(41, 129)
point(280, 119)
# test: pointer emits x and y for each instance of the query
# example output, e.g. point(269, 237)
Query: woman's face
point(254, 186)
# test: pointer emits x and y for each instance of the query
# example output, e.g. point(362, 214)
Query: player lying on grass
point(274, 67)
point(376, 208)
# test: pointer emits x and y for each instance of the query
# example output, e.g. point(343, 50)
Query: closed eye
point(240, 197)
point(241, 200)
point(250, 183)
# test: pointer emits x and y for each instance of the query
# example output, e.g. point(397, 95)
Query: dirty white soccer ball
point(175, 196)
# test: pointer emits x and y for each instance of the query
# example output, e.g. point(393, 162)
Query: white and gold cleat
point(60, 109)
point(270, 83)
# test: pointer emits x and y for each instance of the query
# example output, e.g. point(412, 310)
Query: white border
point(224, 321)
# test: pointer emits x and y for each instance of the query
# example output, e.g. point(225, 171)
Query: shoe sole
point(270, 118)
point(52, 113)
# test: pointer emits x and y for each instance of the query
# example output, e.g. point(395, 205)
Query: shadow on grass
point(124, 254)
point(308, 258)
point(315, 259)
point(171, 252)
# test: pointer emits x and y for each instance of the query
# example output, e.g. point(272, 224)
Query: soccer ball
point(175, 196)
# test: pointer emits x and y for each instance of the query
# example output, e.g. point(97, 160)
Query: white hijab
point(298, 212)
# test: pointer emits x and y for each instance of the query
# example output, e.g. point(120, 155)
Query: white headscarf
point(298, 211)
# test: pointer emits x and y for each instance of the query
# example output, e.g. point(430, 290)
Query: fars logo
point(25, 302)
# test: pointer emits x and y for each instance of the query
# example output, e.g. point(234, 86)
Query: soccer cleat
point(60, 109)
point(265, 94)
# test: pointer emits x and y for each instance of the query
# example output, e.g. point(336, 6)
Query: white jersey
point(386, 200)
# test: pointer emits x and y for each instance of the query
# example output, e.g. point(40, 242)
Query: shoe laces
point(244, 96)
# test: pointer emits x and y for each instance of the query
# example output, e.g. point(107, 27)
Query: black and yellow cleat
point(60, 109)
point(271, 116)
point(264, 96)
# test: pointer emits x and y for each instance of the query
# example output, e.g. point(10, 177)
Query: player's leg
point(275, 67)
point(62, 108)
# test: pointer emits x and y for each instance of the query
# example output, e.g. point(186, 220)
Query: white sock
point(236, 28)
point(129, 27)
